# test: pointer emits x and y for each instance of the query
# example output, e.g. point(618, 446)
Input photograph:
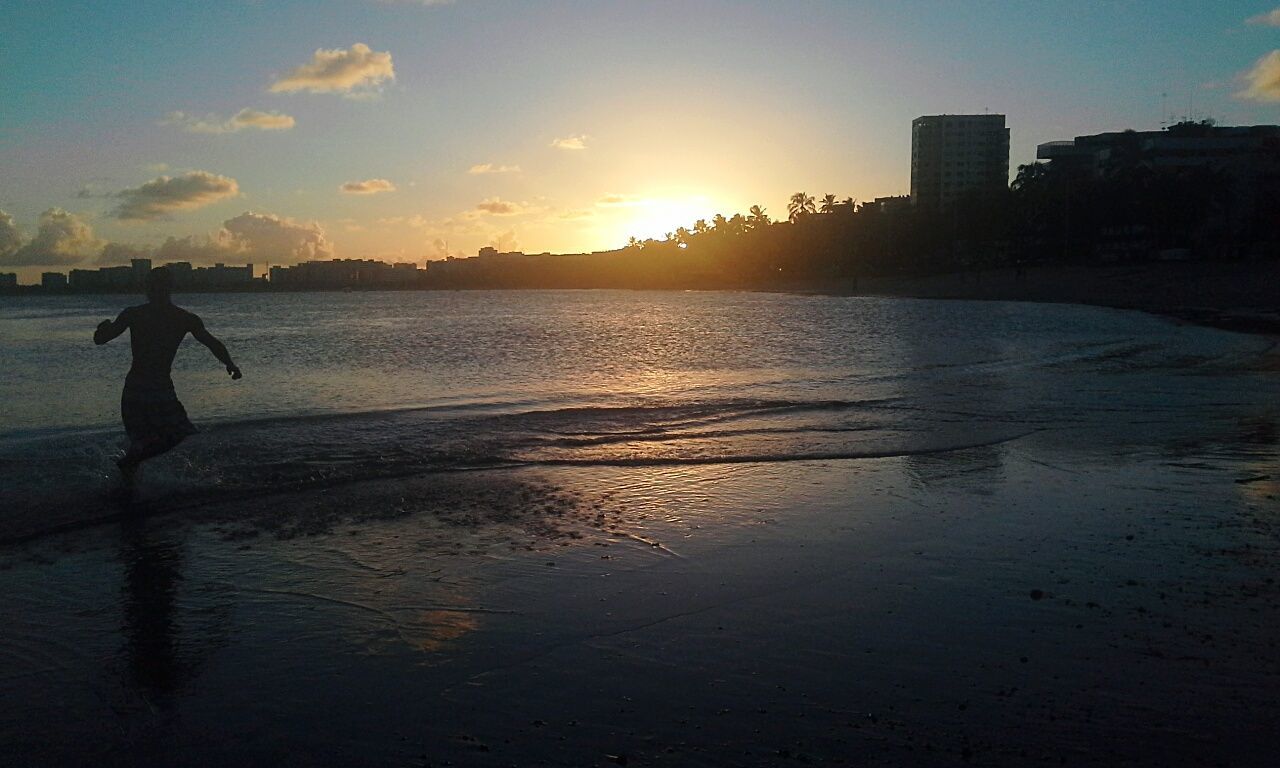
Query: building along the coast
point(956, 154)
point(8, 280)
point(53, 281)
point(346, 273)
point(185, 277)
point(1242, 160)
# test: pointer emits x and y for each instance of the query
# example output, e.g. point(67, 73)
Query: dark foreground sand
point(1238, 296)
point(1039, 602)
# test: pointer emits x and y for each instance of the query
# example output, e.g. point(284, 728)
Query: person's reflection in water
point(153, 417)
point(152, 576)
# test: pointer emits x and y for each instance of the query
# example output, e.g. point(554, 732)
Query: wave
point(65, 480)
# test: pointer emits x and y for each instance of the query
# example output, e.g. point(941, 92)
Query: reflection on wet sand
point(166, 638)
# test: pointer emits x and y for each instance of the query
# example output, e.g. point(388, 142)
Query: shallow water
point(343, 387)
point(676, 529)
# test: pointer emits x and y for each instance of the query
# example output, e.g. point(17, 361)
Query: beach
point(885, 532)
point(1236, 296)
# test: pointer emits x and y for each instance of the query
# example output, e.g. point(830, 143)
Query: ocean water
point(340, 388)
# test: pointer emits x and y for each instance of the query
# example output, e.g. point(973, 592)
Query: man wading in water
point(153, 417)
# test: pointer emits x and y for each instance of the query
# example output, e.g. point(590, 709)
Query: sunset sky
point(276, 131)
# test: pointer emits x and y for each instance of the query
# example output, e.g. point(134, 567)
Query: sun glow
point(654, 218)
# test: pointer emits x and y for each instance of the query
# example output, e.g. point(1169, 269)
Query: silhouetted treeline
point(1125, 210)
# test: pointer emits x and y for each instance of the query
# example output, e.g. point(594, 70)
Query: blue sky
point(687, 109)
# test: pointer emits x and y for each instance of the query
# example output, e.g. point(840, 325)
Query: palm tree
point(700, 226)
point(682, 234)
point(738, 224)
point(828, 203)
point(669, 236)
point(758, 217)
point(719, 221)
point(801, 204)
point(632, 242)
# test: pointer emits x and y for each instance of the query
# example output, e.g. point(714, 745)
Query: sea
point(341, 388)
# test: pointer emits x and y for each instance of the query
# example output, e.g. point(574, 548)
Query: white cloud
point(165, 194)
point(1262, 82)
point(1268, 19)
point(255, 238)
point(368, 187)
point(339, 71)
point(581, 213)
point(498, 207)
point(267, 237)
point(242, 120)
point(10, 237)
point(491, 168)
point(61, 239)
point(571, 142)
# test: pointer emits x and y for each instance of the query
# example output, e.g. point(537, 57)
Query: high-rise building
point(955, 154)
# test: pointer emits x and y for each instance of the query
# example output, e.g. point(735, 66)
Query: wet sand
point(1037, 602)
point(1235, 296)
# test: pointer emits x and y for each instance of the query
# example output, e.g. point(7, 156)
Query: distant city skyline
point(241, 132)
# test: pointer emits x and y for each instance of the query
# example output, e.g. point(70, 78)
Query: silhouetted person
point(153, 418)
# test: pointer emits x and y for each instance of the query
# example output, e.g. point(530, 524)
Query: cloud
point(195, 249)
point(368, 187)
point(255, 238)
point(1268, 19)
point(339, 71)
point(121, 253)
point(491, 168)
point(581, 213)
point(165, 194)
point(505, 242)
point(267, 237)
point(619, 200)
point(416, 221)
point(62, 238)
point(10, 237)
point(497, 207)
point(1262, 82)
point(571, 142)
point(242, 120)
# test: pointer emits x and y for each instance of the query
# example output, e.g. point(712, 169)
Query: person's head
point(159, 285)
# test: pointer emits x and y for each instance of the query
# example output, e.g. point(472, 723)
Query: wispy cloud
point(1268, 19)
point(339, 71)
point(166, 194)
point(575, 142)
point(616, 200)
point(416, 221)
point(1262, 82)
point(368, 187)
point(242, 120)
point(492, 168)
point(61, 239)
point(498, 207)
point(575, 214)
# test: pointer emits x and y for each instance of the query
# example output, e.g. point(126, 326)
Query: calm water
point(348, 386)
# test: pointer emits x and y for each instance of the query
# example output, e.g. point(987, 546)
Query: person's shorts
point(153, 412)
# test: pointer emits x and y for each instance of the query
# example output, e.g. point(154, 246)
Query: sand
point(1045, 601)
point(1238, 296)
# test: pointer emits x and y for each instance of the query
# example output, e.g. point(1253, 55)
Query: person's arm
point(218, 349)
point(109, 329)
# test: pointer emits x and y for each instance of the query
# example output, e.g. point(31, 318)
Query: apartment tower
point(954, 154)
